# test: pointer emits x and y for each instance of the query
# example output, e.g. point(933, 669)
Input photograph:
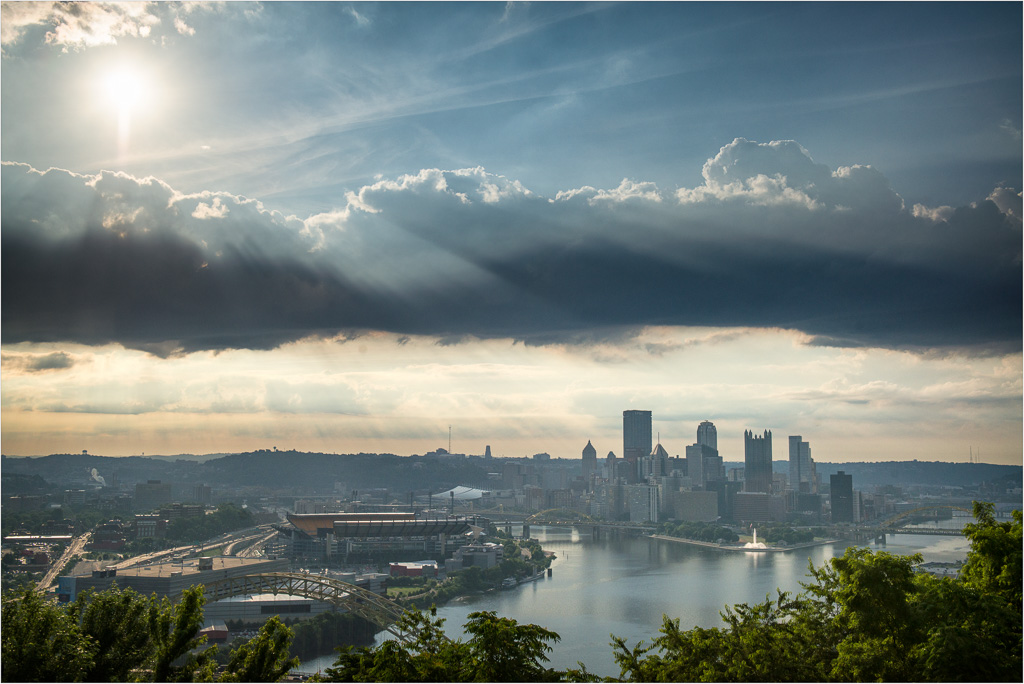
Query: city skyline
point(346, 227)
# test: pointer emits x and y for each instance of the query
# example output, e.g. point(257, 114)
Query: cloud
point(82, 25)
point(34, 363)
point(770, 239)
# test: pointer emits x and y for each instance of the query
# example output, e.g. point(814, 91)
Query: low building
point(109, 536)
point(758, 507)
point(695, 506)
point(168, 579)
point(484, 555)
point(424, 568)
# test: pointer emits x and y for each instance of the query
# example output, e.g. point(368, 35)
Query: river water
point(623, 585)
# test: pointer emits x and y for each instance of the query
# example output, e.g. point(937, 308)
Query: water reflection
point(624, 585)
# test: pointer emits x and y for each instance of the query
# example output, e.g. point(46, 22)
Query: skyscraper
point(802, 476)
point(636, 439)
point(589, 463)
point(757, 462)
point(841, 486)
point(707, 434)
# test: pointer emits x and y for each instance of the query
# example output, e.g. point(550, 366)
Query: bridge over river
point(373, 607)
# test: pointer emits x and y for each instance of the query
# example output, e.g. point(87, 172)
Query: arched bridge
point(897, 520)
point(366, 604)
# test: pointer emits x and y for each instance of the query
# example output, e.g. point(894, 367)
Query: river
point(623, 585)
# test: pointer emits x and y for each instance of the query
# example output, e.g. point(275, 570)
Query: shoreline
point(723, 547)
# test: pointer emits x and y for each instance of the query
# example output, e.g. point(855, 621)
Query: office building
point(757, 462)
point(642, 500)
point(695, 506)
point(841, 491)
point(802, 475)
point(758, 507)
point(656, 464)
point(589, 463)
point(637, 441)
point(703, 464)
point(152, 494)
point(707, 434)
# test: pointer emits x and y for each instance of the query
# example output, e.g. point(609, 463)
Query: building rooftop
point(189, 566)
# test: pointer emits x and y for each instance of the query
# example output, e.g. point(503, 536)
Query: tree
point(994, 562)
point(499, 650)
point(876, 619)
point(974, 637)
point(117, 622)
point(264, 658)
point(174, 630)
point(502, 650)
point(42, 641)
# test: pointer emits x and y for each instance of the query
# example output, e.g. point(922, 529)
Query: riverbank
point(745, 549)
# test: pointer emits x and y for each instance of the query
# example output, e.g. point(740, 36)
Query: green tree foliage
point(700, 531)
point(264, 658)
point(41, 641)
point(864, 616)
point(994, 564)
point(117, 622)
point(227, 518)
point(174, 630)
point(498, 650)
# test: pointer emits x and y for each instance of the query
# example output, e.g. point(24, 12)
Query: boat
point(509, 583)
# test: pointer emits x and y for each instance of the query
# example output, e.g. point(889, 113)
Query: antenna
point(449, 439)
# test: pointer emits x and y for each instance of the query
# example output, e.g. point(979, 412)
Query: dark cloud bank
point(771, 239)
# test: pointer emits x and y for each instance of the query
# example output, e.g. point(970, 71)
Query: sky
point(350, 227)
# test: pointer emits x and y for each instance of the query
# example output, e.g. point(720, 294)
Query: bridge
point(560, 517)
point(373, 607)
point(893, 525)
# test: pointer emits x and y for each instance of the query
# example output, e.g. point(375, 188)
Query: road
point(76, 546)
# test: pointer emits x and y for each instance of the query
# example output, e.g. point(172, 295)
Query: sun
point(125, 89)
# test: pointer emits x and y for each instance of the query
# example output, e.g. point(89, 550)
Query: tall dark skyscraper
point(707, 434)
point(637, 441)
point(841, 486)
point(757, 462)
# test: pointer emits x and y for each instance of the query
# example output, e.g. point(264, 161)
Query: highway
point(76, 546)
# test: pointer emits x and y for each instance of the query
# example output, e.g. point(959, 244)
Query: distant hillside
point(935, 473)
point(355, 471)
point(906, 473)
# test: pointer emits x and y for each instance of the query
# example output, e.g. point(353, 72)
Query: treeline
point(776, 534)
point(700, 531)
point(227, 518)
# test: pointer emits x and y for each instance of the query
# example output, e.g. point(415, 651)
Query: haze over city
point(347, 227)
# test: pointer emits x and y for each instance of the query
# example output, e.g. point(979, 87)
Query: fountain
point(755, 544)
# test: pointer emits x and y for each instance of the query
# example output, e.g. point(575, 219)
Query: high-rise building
point(656, 463)
point(702, 464)
point(802, 475)
point(637, 439)
point(589, 462)
point(757, 462)
point(707, 434)
point(610, 465)
point(841, 486)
